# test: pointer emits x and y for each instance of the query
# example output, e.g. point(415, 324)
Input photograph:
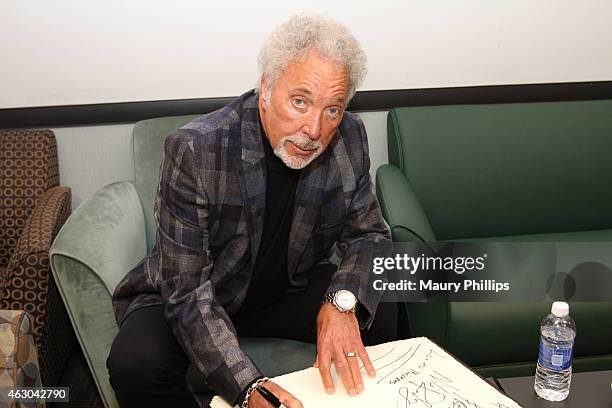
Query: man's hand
point(288, 400)
point(338, 334)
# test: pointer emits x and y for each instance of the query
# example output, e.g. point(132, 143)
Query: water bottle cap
point(560, 309)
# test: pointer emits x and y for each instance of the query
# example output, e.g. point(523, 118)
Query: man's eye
point(299, 103)
point(333, 111)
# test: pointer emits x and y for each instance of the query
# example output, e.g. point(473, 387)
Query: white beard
point(297, 162)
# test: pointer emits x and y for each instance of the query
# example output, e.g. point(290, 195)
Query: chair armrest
point(106, 233)
point(43, 224)
point(401, 207)
point(102, 240)
point(18, 357)
point(32, 248)
point(28, 285)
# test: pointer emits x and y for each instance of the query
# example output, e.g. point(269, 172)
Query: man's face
point(305, 108)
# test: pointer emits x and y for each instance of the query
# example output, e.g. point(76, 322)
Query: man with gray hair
point(251, 199)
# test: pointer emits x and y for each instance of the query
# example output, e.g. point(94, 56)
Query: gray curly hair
point(292, 40)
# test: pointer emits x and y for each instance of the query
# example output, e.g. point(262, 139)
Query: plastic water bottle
point(554, 370)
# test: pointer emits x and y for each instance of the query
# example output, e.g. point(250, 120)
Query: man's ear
point(263, 88)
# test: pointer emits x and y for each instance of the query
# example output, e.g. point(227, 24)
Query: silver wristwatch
point(344, 300)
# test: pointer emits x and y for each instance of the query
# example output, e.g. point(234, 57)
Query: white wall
point(66, 52)
point(91, 157)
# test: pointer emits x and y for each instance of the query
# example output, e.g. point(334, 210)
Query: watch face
point(345, 300)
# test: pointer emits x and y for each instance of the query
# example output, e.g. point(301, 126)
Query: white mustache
point(302, 142)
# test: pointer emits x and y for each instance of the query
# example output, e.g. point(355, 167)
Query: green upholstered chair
point(514, 172)
point(107, 236)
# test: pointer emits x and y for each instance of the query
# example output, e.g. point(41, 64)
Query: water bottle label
point(555, 357)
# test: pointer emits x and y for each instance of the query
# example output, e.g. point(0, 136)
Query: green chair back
point(507, 169)
point(148, 139)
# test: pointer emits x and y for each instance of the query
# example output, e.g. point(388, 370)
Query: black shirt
point(270, 276)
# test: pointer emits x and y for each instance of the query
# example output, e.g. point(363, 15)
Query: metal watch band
point(330, 298)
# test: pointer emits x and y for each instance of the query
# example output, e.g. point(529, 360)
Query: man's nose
point(312, 127)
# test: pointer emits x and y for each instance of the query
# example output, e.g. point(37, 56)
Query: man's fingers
point(343, 370)
point(363, 355)
point(324, 364)
point(290, 401)
point(353, 364)
point(284, 396)
point(316, 362)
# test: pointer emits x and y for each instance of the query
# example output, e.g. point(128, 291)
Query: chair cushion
point(508, 345)
point(276, 357)
point(272, 356)
point(513, 337)
point(18, 356)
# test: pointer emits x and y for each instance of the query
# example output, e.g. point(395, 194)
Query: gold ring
point(351, 354)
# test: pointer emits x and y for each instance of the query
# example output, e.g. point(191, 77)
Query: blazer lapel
point(308, 198)
point(253, 174)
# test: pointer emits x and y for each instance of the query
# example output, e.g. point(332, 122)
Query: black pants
point(147, 365)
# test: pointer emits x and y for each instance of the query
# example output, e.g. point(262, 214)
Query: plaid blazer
point(209, 210)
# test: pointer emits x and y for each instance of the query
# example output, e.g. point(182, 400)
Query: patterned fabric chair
point(32, 209)
point(18, 357)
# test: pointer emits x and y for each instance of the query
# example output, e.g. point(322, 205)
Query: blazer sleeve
point(364, 227)
point(200, 324)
